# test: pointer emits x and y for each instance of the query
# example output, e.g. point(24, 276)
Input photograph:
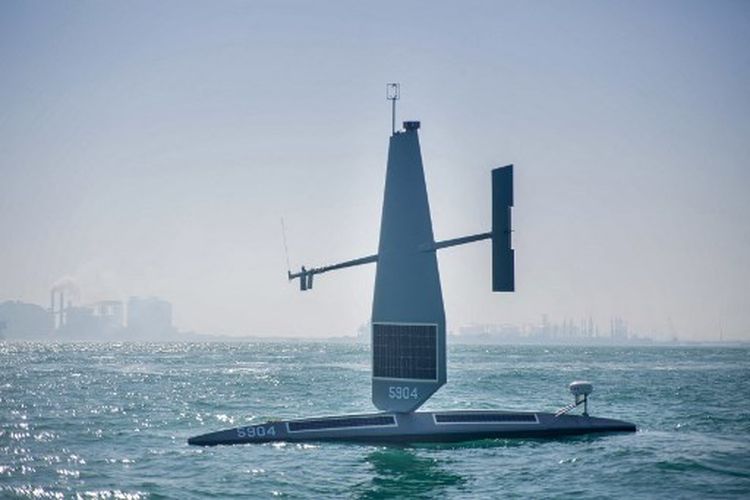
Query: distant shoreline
point(227, 339)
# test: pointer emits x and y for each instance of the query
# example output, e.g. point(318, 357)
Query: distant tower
point(61, 323)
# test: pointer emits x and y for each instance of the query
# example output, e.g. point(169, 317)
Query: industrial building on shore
point(110, 320)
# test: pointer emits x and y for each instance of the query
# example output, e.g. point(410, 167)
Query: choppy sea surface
point(112, 420)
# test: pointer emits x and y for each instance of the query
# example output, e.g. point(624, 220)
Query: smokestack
point(52, 308)
point(62, 309)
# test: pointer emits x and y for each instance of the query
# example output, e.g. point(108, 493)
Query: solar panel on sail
point(404, 351)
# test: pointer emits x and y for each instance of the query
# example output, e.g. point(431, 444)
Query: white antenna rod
point(393, 94)
point(286, 249)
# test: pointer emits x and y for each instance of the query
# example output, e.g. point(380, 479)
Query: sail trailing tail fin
point(503, 256)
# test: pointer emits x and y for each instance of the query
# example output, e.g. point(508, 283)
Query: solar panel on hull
point(468, 418)
point(338, 423)
point(405, 351)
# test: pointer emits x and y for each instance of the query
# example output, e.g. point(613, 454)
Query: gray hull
point(448, 426)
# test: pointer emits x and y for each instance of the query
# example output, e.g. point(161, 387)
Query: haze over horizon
point(152, 148)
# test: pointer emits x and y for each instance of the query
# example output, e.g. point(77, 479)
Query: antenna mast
point(286, 248)
point(393, 94)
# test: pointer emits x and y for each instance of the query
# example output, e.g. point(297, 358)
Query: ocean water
point(112, 420)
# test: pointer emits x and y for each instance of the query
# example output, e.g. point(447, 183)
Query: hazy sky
point(151, 148)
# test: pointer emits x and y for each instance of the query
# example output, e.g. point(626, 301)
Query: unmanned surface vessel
point(408, 327)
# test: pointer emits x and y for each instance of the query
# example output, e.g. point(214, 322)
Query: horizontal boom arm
point(306, 275)
point(460, 241)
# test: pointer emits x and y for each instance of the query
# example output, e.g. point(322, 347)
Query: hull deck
point(440, 426)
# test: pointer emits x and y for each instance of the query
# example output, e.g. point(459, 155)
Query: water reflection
point(407, 473)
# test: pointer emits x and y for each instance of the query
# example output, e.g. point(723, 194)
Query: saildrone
point(408, 326)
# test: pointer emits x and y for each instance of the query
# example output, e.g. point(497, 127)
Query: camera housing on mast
point(580, 389)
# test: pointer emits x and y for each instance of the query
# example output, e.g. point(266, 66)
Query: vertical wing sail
point(408, 318)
